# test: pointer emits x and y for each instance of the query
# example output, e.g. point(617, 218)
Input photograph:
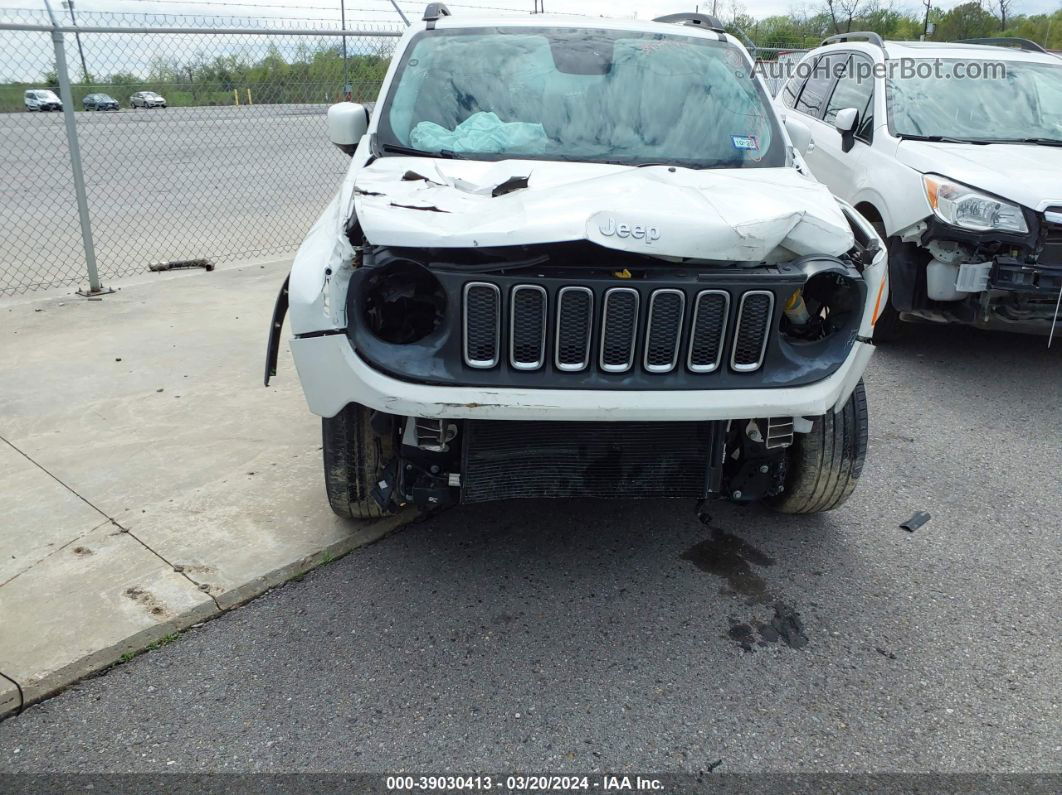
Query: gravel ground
point(578, 635)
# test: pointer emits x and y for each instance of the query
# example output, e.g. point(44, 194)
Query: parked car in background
point(956, 157)
point(99, 102)
point(42, 99)
point(147, 99)
point(593, 265)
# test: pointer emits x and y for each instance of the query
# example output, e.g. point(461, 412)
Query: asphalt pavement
point(574, 636)
point(230, 184)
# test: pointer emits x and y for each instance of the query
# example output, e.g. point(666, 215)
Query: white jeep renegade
point(954, 151)
point(581, 258)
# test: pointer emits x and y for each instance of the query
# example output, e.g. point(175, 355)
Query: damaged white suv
point(581, 258)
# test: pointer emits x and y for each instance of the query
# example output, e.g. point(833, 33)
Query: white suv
point(954, 151)
point(580, 257)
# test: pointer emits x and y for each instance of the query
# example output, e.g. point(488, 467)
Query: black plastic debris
point(511, 184)
point(178, 264)
point(916, 521)
point(429, 209)
point(884, 653)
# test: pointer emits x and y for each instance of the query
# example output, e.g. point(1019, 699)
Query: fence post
point(95, 288)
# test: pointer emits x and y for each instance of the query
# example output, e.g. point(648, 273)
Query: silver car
point(147, 99)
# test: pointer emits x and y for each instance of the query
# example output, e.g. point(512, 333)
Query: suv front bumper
point(333, 375)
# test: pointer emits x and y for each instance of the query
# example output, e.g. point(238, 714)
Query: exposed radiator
point(616, 460)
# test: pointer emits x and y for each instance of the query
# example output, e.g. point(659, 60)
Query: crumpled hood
point(1022, 173)
point(742, 215)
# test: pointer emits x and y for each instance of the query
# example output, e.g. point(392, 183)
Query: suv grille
point(482, 324)
point(619, 332)
point(753, 325)
point(527, 334)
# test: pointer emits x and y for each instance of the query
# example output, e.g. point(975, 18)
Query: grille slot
point(706, 334)
point(615, 460)
point(619, 329)
point(575, 317)
point(752, 329)
point(663, 334)
point(527, 327)
point(482, 332)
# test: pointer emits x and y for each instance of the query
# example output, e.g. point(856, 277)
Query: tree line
point(970, 20)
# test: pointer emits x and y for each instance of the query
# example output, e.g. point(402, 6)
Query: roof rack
point(856, 36)
point(696, 20)
point(434, 11)
point(1005, 41)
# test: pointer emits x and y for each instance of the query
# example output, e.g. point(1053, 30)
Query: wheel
point(888, 327)
point(825, 464)
point(354, 456)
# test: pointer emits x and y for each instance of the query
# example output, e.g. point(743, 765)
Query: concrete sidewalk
point(147, 479)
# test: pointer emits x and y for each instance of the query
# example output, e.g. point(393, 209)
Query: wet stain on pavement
point(732, 558)
point(785, 626)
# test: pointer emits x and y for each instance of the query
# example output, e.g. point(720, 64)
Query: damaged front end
point(573, 316)
point(993, 279)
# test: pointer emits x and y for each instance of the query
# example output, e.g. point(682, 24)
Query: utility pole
point(347, 87)
point(925, 27)
point(84, 69)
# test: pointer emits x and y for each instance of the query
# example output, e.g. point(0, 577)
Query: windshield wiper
point(1042, 141)
point(445, 154)
point(947, 139)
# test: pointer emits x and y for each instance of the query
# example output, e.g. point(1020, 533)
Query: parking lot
point(580, 635)
point(230, 184)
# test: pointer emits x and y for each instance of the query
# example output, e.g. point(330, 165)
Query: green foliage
point(312, 75)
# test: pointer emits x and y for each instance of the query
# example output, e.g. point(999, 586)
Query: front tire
point(825, 465)
point(354, 457)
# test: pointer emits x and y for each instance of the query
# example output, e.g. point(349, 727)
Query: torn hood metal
point(734, 215)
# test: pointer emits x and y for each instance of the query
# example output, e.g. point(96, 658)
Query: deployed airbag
point(480, 132)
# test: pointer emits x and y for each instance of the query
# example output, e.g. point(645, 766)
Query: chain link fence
point(225, 158)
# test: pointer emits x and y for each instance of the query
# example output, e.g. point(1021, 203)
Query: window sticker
point(747, 143)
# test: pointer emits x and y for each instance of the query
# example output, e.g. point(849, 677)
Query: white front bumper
point(333, 375)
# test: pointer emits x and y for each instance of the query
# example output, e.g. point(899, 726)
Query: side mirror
point(845, 121)
point(347, 124)
point(799, 134)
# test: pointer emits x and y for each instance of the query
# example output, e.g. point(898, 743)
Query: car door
point(810, 102)
point(843, 171)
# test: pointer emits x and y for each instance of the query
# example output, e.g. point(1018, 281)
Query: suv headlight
point(964, 207)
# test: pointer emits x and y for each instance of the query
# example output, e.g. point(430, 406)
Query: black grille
point(575, 315)
point(482, 320)
point(528, 327)
point(706, 337)
point(620, 329)
point(754, 318)
point(1052, 250)
point(528, 332)
point(666, 310)
point(615, 460)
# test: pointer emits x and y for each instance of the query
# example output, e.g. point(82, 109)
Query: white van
point(42, 99)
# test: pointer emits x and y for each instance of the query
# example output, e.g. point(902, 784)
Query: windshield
point(1010, 100)
point(573, 94)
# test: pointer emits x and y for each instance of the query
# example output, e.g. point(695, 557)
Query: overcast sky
point(380, 10)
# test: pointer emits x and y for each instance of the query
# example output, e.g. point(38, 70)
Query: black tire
point(354, 457)
point(825, 465)
point(888, 327)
